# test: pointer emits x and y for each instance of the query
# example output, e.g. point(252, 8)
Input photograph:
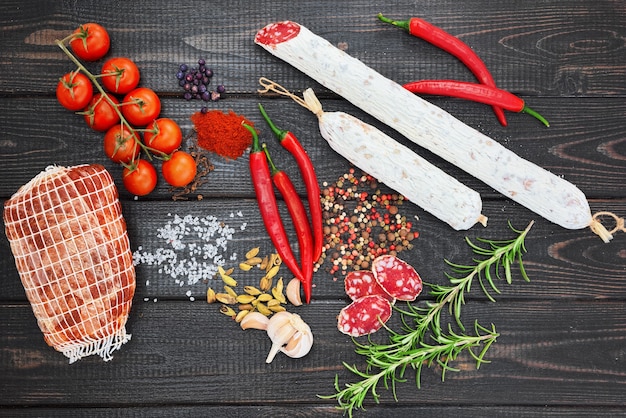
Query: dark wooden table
point(562, 344)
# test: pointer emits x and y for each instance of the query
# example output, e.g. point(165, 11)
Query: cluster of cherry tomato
point(127, 113)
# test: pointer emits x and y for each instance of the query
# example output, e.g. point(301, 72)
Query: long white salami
point(429, 126)
point(399, 167)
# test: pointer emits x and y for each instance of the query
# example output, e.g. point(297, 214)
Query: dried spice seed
point(254, 261)
point(273, 302)
point(228, 311)
point(229, 281)
point(265, 284)
point(273, 271)
point(251, 290)
point(210, 295)
point(252, 253)
point(264, 263)
point(361, 223)
point(264, 297)
point(240, 315)
point(263, 309)
point(278, 295)
point(230, 291)
point(245, 266)
point(245, 298)
point(226, 298)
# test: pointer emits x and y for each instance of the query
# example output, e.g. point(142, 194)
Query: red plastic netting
point(72, 252)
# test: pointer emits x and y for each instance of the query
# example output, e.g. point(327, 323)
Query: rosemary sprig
point(387, 363)
point(391, 369)
point(497, 257)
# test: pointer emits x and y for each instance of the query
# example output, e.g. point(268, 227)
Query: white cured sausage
point(398, 167)
point(429, 126)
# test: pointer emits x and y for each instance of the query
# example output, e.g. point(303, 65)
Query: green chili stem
point(273, 169)
point(280, 133)
point(404, 24)
point(256, 146)
point(535, 114)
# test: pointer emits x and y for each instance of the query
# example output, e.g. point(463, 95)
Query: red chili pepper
point(262, 181)
point(289, 141)
point(476, 92)
point(300, 223)
point(453, 45)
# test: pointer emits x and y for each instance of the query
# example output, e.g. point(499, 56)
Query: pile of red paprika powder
point(222, 133)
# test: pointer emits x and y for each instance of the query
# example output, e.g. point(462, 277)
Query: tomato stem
point(104, 95)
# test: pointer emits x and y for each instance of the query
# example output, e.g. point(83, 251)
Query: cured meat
point(359, 283)
point(364, 316)
point(398, 167)
point(427, 125)
point(72, 253)
point(397, 277)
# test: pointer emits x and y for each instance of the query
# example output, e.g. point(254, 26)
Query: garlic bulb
point(289, 334)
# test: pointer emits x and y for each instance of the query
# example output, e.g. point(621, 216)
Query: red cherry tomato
point(90, 42)
point(100, 115)
point(121, 145)
point(140, 179)
point(141, 106)
point(124, 75)
point(180, 169)
point(74, 91)
point(163, 135)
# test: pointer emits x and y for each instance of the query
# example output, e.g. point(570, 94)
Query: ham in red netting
point(72, 253)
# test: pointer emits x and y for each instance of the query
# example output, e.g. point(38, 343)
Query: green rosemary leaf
point(422, 341)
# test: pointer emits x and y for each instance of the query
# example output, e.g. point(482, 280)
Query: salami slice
point(359, 283)
point(364, 316)
point(277, 33)
point(397, 277)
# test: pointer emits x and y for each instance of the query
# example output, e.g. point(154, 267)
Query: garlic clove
point(280, 332)
point(299, 345)
point(277, 321)
point(254, 320)
point(289, 334)
point(293, 292)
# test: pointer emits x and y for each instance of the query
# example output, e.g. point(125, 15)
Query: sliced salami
point(277, 33)
point(397, 277)
point(364, 316)
point(359, 283)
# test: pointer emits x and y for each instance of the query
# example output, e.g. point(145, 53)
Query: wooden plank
point(548, 354)
point(561, 263)
point(300, 410)
point(540, 48)
point(560, 350)
point(584, 143)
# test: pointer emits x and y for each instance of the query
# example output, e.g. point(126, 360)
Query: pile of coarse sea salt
point(192, 249)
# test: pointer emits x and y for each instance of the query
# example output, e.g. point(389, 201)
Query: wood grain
point(562, 335)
